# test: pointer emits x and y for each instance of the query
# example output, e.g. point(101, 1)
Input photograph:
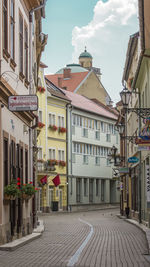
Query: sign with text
point(124, 170)
point(142, 142)
point(133, 160)
point(23, 103)
point(143, 148)
point(148, 182)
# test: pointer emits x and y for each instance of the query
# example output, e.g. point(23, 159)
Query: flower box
point(12, 190)
point(26, 197)
point(41, 124)
point(62, 163)
point(9, 197)
point(62, 130)
point(53, 127)
point(52, 162)
point(41, 89)
point(40, 160)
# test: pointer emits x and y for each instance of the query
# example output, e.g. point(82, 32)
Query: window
point(39, 156)
point(74, 119)
point(102, 189)
point(21, 43)
point(52, 153)
point(52, 119)
point(26, 166)
point(97, 135)
point(5, 164)
point(26, 52)
point(102, 126)
point(97, 160)
point(5, 24)
point(12, 160)
point(40, 115)
point(74, 148)
point(61, 121)
point(108, 137)
point(61, 155)
point(107, 161)
point(85, 187)
point(12, 31)
point(85, 159)
point(97, 187)
point(85, 132)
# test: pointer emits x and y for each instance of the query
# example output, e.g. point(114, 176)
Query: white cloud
point(110, 26)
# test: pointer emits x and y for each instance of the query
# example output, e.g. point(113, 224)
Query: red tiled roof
point(70, 84)
point(84, 103)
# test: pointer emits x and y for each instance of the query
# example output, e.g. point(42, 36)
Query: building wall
point(83, 173)
point(14, 125)
point(50, 139)
point(92, 88)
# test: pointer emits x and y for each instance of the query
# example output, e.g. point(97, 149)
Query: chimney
point(60, 82)
point(67, 73)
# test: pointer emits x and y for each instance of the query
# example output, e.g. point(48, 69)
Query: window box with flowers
point(11, 191)
point(40, 160)
point(52, 162)
point(41, 124)
point(52, 127)
point(62, 163)
point(41, 89)
point(62, 130)
point(28, 191)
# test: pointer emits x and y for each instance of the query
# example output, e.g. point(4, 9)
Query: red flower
point(18, 183)
point(18, 179)
point(30, 182)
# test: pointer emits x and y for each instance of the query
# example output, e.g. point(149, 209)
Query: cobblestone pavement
point(96, 238)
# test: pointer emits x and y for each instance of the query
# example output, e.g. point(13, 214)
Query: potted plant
point(41, 124)
point(11, 191)
point(41, 89)
point(61, 130)
point(28, 190)
point(62, 163)
point(53, 127)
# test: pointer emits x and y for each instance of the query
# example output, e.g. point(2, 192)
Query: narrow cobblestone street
point(96, 238)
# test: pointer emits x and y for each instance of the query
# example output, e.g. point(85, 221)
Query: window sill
point(12, 64)
point(6, 55)
point(26, 83)
point(21, 76)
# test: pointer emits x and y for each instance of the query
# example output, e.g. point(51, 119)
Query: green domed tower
point(85, 59)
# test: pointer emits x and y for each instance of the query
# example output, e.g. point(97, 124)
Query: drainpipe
point(68, 146)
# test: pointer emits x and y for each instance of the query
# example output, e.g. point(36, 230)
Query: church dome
point(85, 54)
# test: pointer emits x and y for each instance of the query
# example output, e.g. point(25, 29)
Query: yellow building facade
point(51, 142)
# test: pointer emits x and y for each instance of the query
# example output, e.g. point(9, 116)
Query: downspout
point(30, 90)
point(68, 147)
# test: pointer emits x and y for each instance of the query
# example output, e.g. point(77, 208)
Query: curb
point(145, 229)
point(11, 246)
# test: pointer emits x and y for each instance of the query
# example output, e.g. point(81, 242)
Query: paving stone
point(114, 243)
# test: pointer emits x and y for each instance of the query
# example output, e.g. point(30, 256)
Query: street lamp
point(125, 95)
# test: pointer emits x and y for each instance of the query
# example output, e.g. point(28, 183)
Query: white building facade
point(90, 139)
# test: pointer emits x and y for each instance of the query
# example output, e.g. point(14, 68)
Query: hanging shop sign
point(145, 131)
point(124, 170)
point(23, 103)
point(140, 141)
point(133, 160)
point(143, 148)
point(148, 182)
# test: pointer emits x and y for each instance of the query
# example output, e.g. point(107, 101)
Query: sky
point(103, 26)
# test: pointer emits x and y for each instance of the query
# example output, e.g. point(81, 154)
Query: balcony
point(44, 167)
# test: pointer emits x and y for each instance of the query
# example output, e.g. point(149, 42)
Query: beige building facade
point(17, 58)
